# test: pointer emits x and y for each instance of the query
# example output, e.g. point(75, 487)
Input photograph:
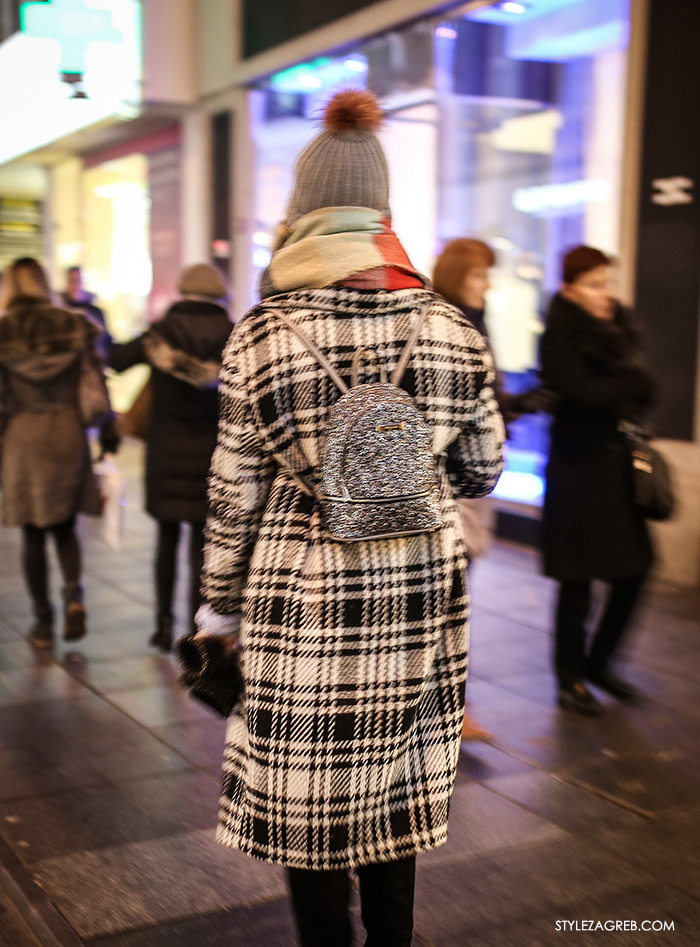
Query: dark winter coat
point(596, 370)
point(46, 474)
point(354, 654)
point(184, 351)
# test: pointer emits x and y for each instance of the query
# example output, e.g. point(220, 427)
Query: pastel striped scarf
point(338, 245)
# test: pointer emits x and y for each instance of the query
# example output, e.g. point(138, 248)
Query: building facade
point(534, 126)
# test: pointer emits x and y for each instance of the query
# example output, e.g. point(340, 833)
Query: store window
point(116, 253)
point(505, 123)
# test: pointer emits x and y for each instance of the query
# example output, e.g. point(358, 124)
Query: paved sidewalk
point(14, 931)
point(109, 781)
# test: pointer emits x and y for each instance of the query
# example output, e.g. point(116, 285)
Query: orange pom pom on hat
point(345, 165)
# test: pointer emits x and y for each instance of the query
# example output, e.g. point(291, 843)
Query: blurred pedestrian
point(461, 275)
point(593, 362)
point(46, 472)
point(354, 653)
point(75, 296)
point(184, 351)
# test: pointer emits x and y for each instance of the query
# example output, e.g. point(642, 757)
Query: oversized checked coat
point(354, 655)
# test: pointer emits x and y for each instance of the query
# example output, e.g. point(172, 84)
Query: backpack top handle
point(366, 354)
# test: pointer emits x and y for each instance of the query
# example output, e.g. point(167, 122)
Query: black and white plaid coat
point(354, 655)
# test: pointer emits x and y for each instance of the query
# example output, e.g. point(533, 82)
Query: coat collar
point(35, 329)
point(563, 310)
point(179, 364)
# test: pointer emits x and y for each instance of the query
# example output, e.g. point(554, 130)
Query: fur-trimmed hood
point(181, 365)
point(39, 341)
point(188, 341)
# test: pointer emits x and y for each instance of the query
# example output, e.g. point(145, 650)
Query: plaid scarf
point(349, 246)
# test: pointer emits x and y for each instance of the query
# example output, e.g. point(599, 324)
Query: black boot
point(75, 618)
point(576, 697)
point(163, 637)
point(41, 632)
point(613, 684)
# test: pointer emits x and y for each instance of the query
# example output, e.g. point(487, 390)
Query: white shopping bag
point(111, 481)
point(478, 524)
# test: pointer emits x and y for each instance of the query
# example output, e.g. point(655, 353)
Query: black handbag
point(210, 671)
point(651, 479)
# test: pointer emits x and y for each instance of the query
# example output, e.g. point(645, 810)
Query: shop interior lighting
point(221, 248)
point(446, 32)
point(320, 75)
point(308, 80)
point(558, 30)
point(561, 197)
point(502, 243)
point(521, 480)
point(514, 12)
point(261, 258)
point(520, 487)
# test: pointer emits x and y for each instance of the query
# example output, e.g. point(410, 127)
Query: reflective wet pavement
point(109, 781)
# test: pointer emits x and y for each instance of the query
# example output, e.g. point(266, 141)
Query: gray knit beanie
point(202, 280)
point(345, 165)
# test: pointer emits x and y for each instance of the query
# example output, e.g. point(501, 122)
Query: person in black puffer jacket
point(184, 350)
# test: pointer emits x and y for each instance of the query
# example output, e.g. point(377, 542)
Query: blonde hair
point(457, 258)
point(24, 277)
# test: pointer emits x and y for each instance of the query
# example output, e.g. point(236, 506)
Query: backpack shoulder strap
point(410, 345)
point(293, 459)
point(311, 346)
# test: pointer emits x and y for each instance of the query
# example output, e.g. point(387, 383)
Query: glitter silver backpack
point(378, 472)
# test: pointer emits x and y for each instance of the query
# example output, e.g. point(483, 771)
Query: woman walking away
point(592, 361)
point(184, 350)
point(46, 474)
point(343, 753)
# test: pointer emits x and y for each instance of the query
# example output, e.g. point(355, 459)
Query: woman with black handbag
point(593, 364)
point(47, 354)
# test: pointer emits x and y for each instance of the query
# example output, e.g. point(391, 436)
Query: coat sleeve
point(239, 483)
point(123, 355)
point(475, 458)
point(566, 373)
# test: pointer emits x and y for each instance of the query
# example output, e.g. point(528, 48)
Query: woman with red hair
point(461, 276)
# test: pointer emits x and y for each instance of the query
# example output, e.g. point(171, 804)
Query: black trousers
point(166, 566)
point(573, 605)
point(321, 904)
point(35, 564)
